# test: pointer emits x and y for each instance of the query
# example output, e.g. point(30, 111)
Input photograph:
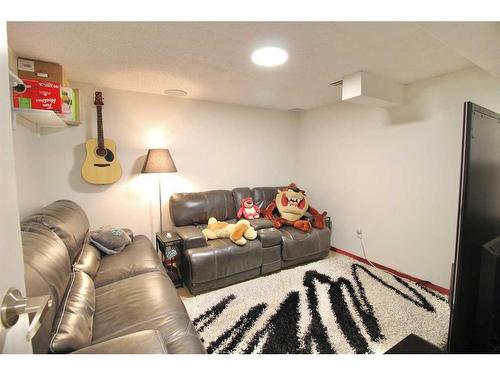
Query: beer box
point(39, 95)
point(39, 70)
point(70, 111)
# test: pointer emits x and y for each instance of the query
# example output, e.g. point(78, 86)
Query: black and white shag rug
point(335, 305)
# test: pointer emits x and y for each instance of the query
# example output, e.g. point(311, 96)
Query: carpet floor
point(335, 305)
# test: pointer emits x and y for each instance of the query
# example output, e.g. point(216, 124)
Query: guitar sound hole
point(107, 153)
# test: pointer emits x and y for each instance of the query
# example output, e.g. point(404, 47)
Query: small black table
point(166, 242)
point(167, 239)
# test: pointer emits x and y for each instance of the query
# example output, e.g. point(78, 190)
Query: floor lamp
point(159, 161)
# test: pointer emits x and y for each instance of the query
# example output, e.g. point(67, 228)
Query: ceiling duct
point(370, 89)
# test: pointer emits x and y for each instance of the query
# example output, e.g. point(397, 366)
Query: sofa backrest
point(197, 208)
point(239, 194)
point(52, 238)
point(262, 196)
point(47, 271)
point(66, 219)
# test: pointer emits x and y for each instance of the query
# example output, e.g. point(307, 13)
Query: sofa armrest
point(310, 218)
point(269, 237)
point(142, 342)
point(192, 237)
point(261, 223)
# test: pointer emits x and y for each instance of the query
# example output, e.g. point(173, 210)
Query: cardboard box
point(39, 70)
point(39, 95)
point(70, 111)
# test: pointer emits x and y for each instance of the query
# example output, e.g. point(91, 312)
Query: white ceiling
point(477, 41)
point(211, 60)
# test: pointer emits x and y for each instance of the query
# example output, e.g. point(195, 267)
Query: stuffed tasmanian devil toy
point(292, 204)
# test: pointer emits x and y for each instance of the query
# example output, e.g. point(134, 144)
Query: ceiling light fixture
point(295, 109)
point(269, 56)
point(175, 92)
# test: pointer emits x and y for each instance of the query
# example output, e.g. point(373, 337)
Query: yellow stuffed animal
point(239, 233)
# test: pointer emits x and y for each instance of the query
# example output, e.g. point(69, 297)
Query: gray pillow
point(111, 240)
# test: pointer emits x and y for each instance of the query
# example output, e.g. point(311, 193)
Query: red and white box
point(39, 95)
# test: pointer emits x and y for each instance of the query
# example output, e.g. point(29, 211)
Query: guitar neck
point(100, 131)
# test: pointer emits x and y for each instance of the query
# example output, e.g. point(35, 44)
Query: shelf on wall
point(14, 79)
point(41, 118)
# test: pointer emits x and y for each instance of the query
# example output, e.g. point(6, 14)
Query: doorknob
point(14, 305)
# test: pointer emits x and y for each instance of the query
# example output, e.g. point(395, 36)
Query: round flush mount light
point(296, 109)
point(175, 92)
point(269, 56)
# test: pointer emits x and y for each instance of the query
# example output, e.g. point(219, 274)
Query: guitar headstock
point(99, 101)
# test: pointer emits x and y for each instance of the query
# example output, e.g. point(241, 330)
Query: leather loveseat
point(122, 303)
point(212, 264)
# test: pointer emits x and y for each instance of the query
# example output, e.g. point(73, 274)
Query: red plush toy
point(248, 210)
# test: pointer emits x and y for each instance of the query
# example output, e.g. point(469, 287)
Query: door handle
point(14, 305)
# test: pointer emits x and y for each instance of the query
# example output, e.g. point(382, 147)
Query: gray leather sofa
point(123, 303)
point(212, 264)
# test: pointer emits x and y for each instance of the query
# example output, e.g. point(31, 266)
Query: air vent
point(337, 83)
point(175, 92)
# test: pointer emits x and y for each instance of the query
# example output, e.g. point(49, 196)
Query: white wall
point(214, 146)
point(394, 172)
point(29, 169)
point(27, 161)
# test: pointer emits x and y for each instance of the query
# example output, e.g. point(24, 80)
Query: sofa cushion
point(143, 302)
point(88, 260)
point(138, 257)
point(197, 208)
point(67, 220)
point(73, 325)
point(299, 244)
point(222, 258)
point(46, 271)
point(143, 342)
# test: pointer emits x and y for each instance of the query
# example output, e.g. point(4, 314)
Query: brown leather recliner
point(123, 303)
point(212, 264)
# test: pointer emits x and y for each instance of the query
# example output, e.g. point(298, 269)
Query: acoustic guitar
point(101, 167)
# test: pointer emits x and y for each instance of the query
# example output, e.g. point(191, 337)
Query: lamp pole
point(159, 195)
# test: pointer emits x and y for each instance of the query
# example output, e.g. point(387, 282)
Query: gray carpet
point(335, 305)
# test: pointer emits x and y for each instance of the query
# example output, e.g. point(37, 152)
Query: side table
point(169, 244)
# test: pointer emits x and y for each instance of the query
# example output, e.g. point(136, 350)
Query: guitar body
point(101, 170)
point(101, 167)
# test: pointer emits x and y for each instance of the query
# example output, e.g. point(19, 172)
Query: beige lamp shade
point(158, 161)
